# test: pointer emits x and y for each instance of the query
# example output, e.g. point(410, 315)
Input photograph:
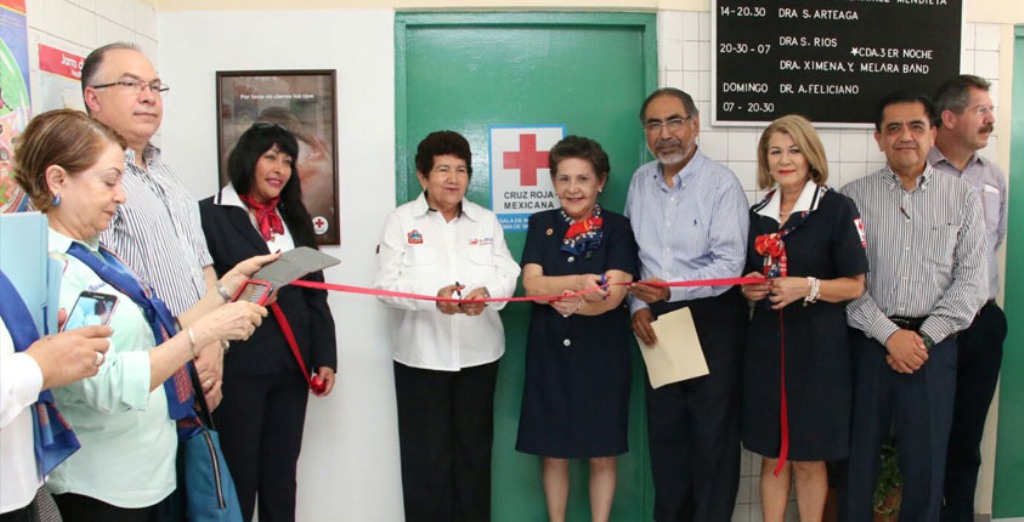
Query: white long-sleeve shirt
point(20, 383)
point(421, 253)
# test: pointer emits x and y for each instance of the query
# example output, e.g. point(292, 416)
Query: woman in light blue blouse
point(71, 168)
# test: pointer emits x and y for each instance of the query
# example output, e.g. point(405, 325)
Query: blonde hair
point(66, 138)
point(805, 137)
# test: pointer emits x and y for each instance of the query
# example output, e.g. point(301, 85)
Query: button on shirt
point(989, 181)
point(926, 249)
point(695, 229)
point(421, 253)
point(157, 231)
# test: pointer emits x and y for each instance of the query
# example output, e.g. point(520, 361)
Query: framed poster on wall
point(305, 103)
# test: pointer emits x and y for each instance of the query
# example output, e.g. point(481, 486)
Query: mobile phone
point(90, 308)
point(254, 291)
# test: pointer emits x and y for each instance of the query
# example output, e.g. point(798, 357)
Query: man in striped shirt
point(966, 120)
point(926, 248)
point(689, 216)
point(157, 230)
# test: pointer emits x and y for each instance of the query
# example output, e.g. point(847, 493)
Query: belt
point(988, 304)
point(908, 323)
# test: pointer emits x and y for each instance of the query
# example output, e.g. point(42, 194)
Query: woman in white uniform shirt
point(446, 354)
point(49, 362)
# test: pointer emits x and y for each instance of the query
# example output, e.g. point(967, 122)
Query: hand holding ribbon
point(650, 290)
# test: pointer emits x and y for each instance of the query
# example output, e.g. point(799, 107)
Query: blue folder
point(23, 257)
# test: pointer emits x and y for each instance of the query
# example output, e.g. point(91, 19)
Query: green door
point(1007, 502)
point(587, 73)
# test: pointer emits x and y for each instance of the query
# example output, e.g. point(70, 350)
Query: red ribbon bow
point(267, 219)
point(770, 244)
point(582, 227)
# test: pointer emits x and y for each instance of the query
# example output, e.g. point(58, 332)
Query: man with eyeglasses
point(689, 215)
point(157, 231)
point(965, 122)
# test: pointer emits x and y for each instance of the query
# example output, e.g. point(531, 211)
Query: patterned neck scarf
point(583, 236)
point(267, 219)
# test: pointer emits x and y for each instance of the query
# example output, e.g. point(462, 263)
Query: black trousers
point(75, 508)
point(260, 422)
point(29, 513)
point(445, 430)
point(980, 355)
point(694, 425)
point(918, 409)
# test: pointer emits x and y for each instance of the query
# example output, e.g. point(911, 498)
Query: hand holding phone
point(90, 308)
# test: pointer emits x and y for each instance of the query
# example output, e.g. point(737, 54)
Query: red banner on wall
point(60, 62)
point(17, 6)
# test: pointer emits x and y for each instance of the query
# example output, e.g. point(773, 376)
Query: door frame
point(404, 21)
point(1009, 474)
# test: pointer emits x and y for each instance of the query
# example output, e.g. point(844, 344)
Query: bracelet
point(192, 341)
point(815, 291)
point(223, 292)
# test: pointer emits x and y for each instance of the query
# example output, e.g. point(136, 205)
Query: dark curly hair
point(441, 143)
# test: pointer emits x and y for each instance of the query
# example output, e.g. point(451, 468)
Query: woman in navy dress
point(822, 268)
point(576, 396)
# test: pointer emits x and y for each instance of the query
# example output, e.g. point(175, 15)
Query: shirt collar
point(895, 182)
point(149, 153)
point(808, 201)
point(228, 197)
point(421, 207)
point(935, 156)
point(58, 242)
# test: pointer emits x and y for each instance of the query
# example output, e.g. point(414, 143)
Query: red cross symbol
point(319, 222)
point(528, 159)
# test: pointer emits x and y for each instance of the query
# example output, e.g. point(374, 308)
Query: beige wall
point(1000, 11)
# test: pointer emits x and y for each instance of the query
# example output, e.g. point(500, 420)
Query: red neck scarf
point(267, 219)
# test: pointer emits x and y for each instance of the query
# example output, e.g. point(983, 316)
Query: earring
point(56, 200)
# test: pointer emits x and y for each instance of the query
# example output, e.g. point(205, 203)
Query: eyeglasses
point(982, 110)
point(136, 86)
point(672, 124)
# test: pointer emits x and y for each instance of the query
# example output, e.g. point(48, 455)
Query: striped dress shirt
point(695, 229)
point(926, 249)
point(984, 175)
point(157, 232)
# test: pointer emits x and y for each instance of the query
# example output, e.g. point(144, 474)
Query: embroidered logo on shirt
point(860, 231)
point(414, 237)
point(481, 241)
point(97, 286)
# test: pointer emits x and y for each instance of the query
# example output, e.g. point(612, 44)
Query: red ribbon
point(318, 386)
point(406, 295)
point(773, 248)
point(315, 382)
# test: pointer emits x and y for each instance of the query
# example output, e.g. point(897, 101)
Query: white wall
point(79, 26)
point(349, 468)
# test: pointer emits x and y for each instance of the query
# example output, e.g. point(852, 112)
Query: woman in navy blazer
point(264, 408)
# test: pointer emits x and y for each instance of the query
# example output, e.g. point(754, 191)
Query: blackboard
point(829, 60)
